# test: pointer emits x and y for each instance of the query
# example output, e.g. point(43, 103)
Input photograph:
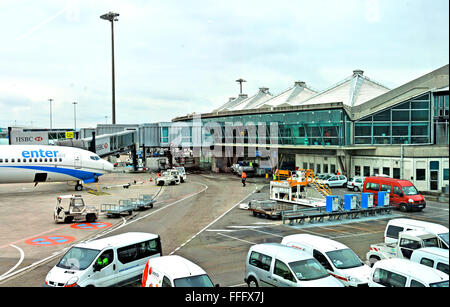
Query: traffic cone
point(151, 178)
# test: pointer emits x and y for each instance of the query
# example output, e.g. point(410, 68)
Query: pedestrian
point(274, 176)
point(244, 177)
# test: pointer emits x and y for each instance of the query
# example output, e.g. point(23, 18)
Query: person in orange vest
point(244, 177)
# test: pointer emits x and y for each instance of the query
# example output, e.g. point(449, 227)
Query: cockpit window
point(95, 158)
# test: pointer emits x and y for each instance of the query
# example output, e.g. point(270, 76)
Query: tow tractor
point(71, 208)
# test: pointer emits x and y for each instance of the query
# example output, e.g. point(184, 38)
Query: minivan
point(113, 261)
point(395, 226)
point(402, 193)
point(340, 261)
point(433, 257)
point(174, 271)
point(276, 265)
point(397, 272)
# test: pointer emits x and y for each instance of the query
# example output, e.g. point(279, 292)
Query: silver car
point(276, 265)
point(355, 184)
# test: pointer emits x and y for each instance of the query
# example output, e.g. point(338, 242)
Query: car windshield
point(411, 190)
point(344, 259)
point(444, 237)
point(78, 258)
point(194, 281)
point(309, 269)
point(325, 177)
point(441, 284)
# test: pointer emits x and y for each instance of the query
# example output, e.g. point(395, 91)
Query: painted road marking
point(91, 226)
point(50, 240)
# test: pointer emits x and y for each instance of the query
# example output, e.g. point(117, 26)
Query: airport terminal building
point(357, 127)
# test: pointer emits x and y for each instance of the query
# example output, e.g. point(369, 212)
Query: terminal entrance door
point(434, 175)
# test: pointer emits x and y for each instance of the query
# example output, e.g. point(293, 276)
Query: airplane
point(36, 163)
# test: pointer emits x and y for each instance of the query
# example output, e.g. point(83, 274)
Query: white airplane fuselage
point(36, 163)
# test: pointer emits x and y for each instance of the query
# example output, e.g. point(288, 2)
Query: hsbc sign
point(102, 146)
point(29, 138)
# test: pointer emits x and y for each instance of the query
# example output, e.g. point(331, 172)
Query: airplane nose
point(108, 166)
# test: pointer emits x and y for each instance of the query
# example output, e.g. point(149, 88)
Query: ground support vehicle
point(408, 242)
point(169, 177)
point(144, 201)
point(71, 208)
point(115, 210)
point(267, 208)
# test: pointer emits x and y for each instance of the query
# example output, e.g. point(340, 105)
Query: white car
point(335, 181)
point(174, 271)
point(355, 184)
point(276, 265)
point(339, 260)
point(405, 273)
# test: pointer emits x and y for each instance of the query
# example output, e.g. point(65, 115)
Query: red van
point(403, 194)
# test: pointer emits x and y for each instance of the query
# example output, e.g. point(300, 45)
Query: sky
point(174, 57)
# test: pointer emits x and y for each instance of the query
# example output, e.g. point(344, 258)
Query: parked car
point(405, 273)
point(340, 261)
point(276, 265)
point(174, 271)
point(403, 194)
point(395, 226)
point(355, 184)
point(113, 261)
point(434, 257)
point(335, 181)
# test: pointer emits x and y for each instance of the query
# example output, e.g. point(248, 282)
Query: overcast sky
point(178, 57)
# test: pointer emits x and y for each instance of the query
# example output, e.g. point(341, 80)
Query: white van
point(395, 226)
point(112, 261)
point(340, 261)
point(433, 257)
point(276, 265)
point(397, 272)
point(174, 271)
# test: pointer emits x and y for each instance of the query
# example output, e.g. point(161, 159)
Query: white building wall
point(383, 165)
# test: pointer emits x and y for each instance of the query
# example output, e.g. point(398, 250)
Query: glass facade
point(318, 127)
point(440, 118)
point(405, 123)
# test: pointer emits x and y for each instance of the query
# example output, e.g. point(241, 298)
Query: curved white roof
point(351, 91)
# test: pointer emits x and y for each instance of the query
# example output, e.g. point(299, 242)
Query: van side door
point(407, 246)
point(104, 270)
point(282, 275)
point(397, 196)
point(323, 260)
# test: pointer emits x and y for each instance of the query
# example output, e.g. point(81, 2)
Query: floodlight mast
point(112, 17)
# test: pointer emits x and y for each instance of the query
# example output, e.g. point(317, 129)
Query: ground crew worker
point(274, 176)
point(244, 177)
point(102, 262)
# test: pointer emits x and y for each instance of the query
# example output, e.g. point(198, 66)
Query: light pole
point(51, 121)
point(240, 83)
point(112, 17)
point(75, 115)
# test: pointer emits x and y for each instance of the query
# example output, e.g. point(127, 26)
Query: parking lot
point(200, 220)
